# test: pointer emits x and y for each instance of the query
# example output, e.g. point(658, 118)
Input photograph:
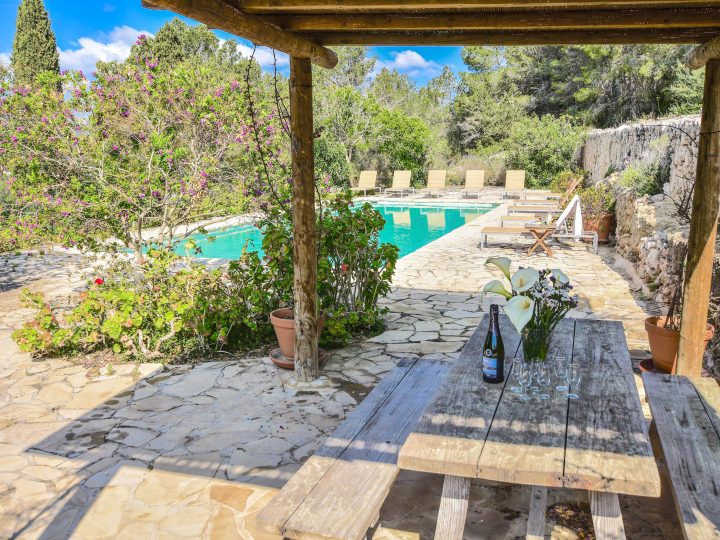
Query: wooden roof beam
point(701, 54)
point(527, 38)
point(514, 20)
point(219, 14)
point(406, 7)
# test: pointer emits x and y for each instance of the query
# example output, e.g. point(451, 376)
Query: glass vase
point(535, 343)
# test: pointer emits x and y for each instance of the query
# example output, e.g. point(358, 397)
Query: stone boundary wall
point(610, 150)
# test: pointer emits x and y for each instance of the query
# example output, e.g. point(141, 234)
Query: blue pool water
point(409, 227)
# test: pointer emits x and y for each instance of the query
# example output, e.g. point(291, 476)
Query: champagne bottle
point(493, 351)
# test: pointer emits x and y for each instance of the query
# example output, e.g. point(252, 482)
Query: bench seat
point(686, 414)
point(338, 492)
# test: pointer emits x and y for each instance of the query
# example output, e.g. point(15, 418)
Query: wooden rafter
point(221, 15)
point(371, 6)
point(509, 20)
point(552, 37)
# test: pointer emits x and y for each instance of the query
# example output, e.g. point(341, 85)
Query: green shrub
point(597, 200)
point(645, 178)
point(354, 268)
point(561, 181)
point(156, 311)
point(170, 306)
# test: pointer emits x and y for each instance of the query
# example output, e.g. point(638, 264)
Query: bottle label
point(489, 367)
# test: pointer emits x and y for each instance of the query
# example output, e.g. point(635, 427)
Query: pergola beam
point(221, 15)
point(507, 21)
point(700, 56)
point(541, 37)
point(347, 7)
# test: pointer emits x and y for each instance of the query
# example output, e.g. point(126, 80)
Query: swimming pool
point(408, 226)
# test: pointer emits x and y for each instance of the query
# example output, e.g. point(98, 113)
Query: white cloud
point(264, 55)
point(4, 59)
point(116, 46)
point(410, 62)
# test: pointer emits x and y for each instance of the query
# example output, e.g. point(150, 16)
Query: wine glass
point(573, 378)
point(561, 372)
point(518, 375)
point(542, 376)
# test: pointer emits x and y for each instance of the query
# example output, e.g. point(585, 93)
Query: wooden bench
point(338, 492)
point(686, 414)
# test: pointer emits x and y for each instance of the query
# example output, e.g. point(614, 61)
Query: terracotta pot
point(603, 226)
point(664, 343)
point(284, 325)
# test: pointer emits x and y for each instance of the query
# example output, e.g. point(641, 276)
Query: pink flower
point(344, 268)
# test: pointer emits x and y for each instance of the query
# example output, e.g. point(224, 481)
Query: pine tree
point(35, 48)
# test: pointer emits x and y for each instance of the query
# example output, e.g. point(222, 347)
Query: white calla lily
point(519, 310)
point(496, 286)
point(503, 263)
point(524, 279)
point(560, 276)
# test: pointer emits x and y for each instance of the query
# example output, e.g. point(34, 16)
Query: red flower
point(99, 281)
point(344, 267)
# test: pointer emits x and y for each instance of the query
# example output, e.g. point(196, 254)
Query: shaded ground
point(196, 451)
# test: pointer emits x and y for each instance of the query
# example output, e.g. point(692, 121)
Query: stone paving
point(153, 451)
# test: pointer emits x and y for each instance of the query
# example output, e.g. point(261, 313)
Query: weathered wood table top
point(598, 443)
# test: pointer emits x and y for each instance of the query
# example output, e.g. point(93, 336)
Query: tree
point(353, 69)
point(177, 42)
point(34, 48)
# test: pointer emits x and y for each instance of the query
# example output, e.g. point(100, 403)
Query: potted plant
point(598, 206)
point(664, 332)
point(283, 322)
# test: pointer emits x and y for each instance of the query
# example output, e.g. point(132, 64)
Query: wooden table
point(540, 234)
point(598, 443)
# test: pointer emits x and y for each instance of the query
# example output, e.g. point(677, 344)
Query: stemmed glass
point(561, 367)
point(541, 374)
point(521, 375)
point(573, 379)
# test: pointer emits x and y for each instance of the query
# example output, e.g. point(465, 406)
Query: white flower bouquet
point(537, 302)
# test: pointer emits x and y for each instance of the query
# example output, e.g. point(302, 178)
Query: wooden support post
point(304, 227)
point(703, 229)
point(453, 508)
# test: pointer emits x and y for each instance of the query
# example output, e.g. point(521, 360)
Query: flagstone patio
point(155, 451)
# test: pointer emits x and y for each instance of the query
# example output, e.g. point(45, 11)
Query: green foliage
point(34, 48)
point(177, 42)
point(354, 268)
point(645, 178)
point(542, 146)
point(156, 311)
point(561, 181)
point(605, 85)
point(597, 201)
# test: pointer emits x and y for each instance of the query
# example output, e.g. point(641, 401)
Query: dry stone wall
point(648, 231)
point(610, 150)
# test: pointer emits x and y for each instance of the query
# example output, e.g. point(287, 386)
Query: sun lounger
point(400, 183)
point(435, 183)
point(366, 182)
point(474, 182)
point(514, 183)
point(542, 232)
point(561, 198)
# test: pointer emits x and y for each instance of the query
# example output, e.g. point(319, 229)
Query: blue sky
point(88, 30)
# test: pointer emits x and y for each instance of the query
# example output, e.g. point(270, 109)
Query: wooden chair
point(338, 492)
point(366, 182)
point(514, 182)
point(686, 415)
point(435, 183)
point(400, 183)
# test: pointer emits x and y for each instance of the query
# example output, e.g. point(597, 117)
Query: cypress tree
point(34, 48)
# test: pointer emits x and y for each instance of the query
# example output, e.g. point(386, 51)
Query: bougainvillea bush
point(137, 148)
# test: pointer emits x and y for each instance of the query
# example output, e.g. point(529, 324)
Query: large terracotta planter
point(603, 226)
point(664, 343)
point(284, 325)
